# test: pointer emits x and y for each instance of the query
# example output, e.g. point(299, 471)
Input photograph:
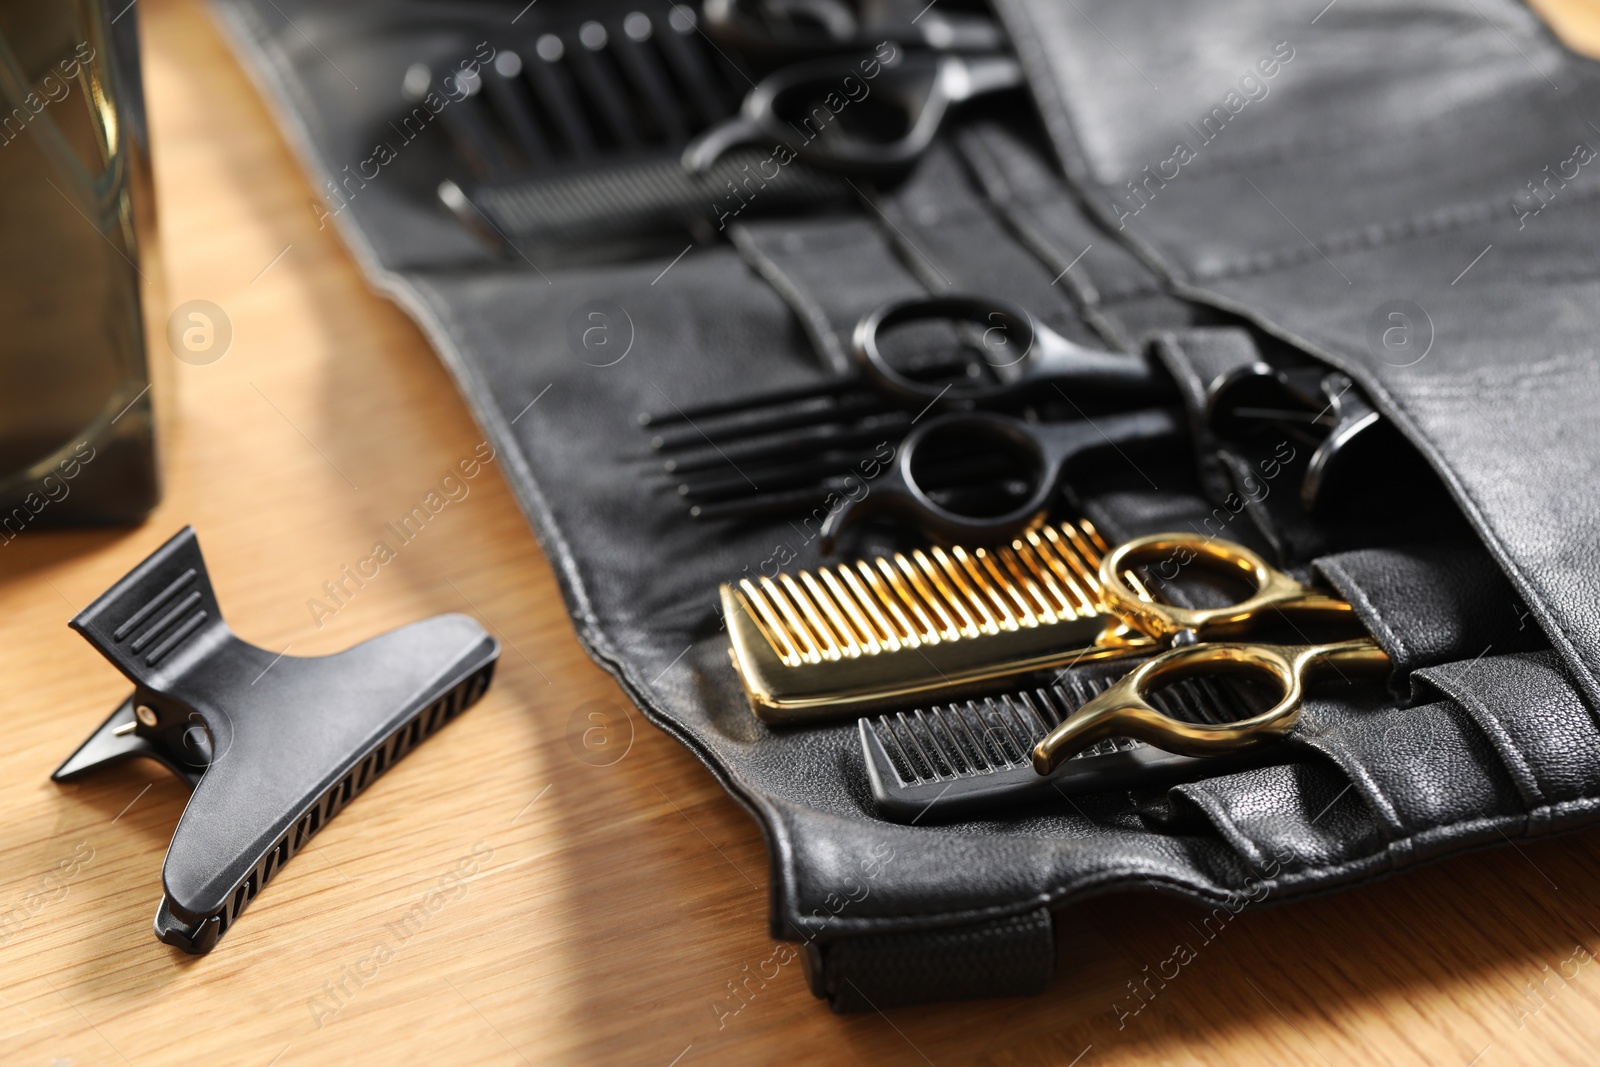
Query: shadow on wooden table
point(33, 551)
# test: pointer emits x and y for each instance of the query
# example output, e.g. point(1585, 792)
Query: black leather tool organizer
point(1426, 157)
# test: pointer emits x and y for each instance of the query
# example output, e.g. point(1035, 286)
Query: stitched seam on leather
point(1515, 760)
point(920, 921)
point(1026, 222)
point(1340, 577)
point(940, 938)
point(1313, 879)
point(1093, 292)
point(1551, 374)
point(917, 263)
point(1082, 292)
point(1137, 292)
point(1031, 201)
point(1020, 205)
point(979, 211)
point(992, 176)
point(1558, 277)
point(945, 214)
point(1444, 220)
point(1217, 162)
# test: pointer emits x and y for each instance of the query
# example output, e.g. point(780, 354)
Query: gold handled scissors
point(1124, 709)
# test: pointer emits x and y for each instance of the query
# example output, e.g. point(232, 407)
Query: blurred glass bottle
point(78, 265)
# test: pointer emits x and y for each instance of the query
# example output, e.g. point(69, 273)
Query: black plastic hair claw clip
point(273, 745)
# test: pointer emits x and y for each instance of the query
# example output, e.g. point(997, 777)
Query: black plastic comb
point(273, 745)
point(776, 458)
point(573, 136)
point(785, 450)
point(633, 198)
point(967, 759)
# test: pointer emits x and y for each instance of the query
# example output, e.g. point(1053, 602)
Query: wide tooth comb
point(574, 143)
point(966, 759)
point(274, 745)
point(854, 636)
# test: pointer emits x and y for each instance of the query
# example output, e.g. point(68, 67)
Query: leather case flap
point(1404, 189)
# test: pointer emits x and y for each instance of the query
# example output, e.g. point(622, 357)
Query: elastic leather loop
point(1287, 816)
point(1195, 359)
point(831, 271)
point(1120, 296)
point(1423, 770)
point(950, 237)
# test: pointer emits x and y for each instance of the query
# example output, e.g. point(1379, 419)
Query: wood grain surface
point(584, 910)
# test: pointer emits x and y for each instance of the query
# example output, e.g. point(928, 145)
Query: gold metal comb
point(840, 640)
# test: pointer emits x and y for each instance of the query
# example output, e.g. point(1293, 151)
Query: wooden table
point(605, 908)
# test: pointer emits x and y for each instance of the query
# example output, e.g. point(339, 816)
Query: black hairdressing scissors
point(1030, 357)
point(1032, 458)
point(1318, 407)
point(1025, 356)
point(795, 27)
point(800, 444)
point(864, 115)
point(1021, 358)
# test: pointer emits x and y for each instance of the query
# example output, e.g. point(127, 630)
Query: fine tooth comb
point(855, 636)
point(273, 745)
point(966, 759)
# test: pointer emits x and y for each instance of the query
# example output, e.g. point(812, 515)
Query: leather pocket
point(1503, 746)
point(1432, 604)
point(1341, 248)
point(931, 234)
point(1544, 733)
point(1287, 817)
point(1379, 786)
point(1479, 726)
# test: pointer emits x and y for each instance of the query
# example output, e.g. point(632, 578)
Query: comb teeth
point(906, 601)
point(958, 741)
